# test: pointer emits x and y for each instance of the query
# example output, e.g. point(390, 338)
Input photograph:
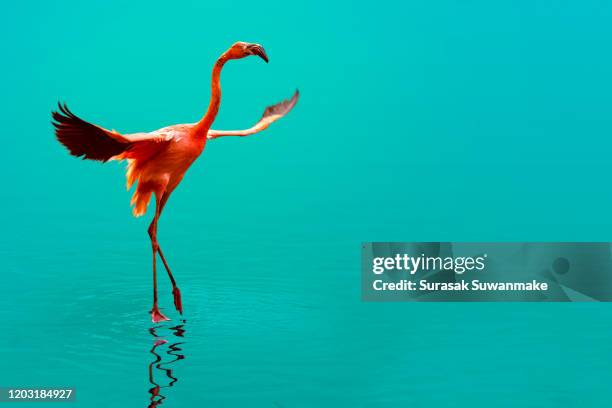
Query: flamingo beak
point(257, 49)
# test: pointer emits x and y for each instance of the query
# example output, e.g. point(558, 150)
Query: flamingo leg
point(178, 303)
point(176, 293)
point(156, 314)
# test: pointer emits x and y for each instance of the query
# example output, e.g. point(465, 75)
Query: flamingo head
point(243, 49)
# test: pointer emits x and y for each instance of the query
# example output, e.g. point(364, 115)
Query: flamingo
point(158, 160)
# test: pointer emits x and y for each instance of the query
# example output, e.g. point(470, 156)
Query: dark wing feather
point(282, 108)
point(84, 139)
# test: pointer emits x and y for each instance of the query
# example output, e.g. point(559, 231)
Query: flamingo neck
point(206, 122)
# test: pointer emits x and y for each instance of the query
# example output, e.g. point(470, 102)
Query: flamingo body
point(158, 163)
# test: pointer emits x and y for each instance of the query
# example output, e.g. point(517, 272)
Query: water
point(430, 121)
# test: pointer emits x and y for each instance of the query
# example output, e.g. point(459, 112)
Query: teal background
point(419, 121)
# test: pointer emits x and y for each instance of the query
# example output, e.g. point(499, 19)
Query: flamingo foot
point(157, 316)
point(178, 302)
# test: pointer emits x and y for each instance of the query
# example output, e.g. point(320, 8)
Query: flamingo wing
point(270, 115)
point(84, 139)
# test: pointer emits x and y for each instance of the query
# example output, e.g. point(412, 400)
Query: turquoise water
point(434, 120)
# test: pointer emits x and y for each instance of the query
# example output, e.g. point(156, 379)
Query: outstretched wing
point(84, 139)
point(271, 114)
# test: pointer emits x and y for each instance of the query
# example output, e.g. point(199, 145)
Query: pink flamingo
point(158, 160)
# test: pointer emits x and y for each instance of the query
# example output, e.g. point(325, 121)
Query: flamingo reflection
point(158, 365)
